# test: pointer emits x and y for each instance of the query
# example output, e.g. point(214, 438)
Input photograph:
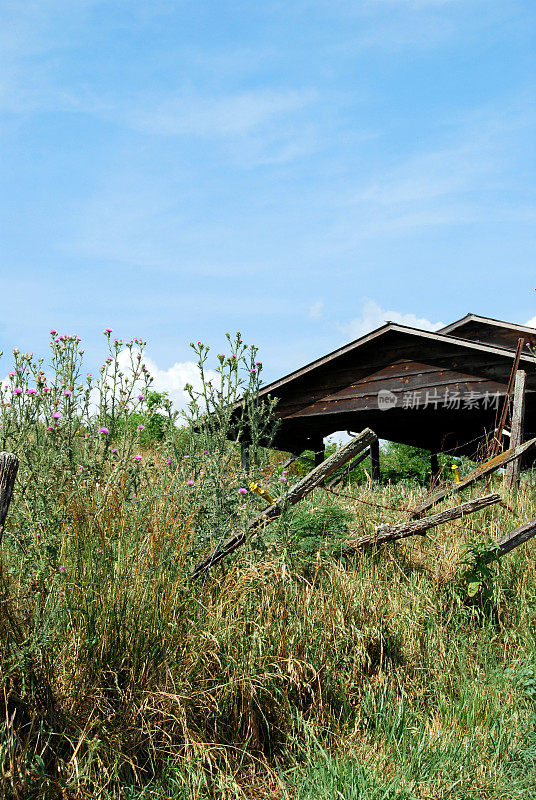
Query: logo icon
point(386, 400)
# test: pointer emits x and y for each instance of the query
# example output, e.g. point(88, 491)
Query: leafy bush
point(314, 528)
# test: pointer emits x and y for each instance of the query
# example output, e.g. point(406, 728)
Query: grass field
point(287, 673)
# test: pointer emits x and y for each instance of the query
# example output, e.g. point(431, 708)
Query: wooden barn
point(442, 391)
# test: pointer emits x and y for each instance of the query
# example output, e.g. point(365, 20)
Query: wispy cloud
point(222, 116)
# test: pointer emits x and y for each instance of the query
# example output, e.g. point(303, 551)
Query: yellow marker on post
point(262, 493)
point(456, 472)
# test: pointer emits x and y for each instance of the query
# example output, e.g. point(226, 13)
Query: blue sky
point(297, 170)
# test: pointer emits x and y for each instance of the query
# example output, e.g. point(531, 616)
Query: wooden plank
point(9, 465)
point(487, 469)
point(338, 378)
point(300, 489)
point(390, 533)
point(513, 539)
point(367, 390)
point(516, 435)
point(330, 405)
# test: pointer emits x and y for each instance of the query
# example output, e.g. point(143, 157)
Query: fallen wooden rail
point(390, 533)
point(9, 465)
point(479, 473)
point(512, 540)
point(300, 489)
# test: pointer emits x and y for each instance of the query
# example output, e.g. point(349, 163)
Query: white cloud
point(174, 379)
point(171, 380)
point(315, 310)
point(374, 316)
point(531, 322)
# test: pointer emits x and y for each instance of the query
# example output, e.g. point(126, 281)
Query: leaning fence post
point(518, 414)
point(9, 465)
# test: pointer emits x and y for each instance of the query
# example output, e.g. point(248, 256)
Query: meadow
point(286, 671)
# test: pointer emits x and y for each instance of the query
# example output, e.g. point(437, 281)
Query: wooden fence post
point(9, 465)
point(516, 437)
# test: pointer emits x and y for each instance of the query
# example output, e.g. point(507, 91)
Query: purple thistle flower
point(108, 330)
point(18, 390)
point(31, 391)
point(62, 569)
point(168, 462)
point(53, 332)
point(189, 483)
point(104, 430)
point(141, 427)
point(242, 491)
point(67, 392)
point(56, 415)
point(141, 397)
point(282, 478)
point(114, 449)
point(137, 458)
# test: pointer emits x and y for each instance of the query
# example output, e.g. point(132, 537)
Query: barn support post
point(244, 456)
point(516, 438)
point(434, 469)
point(320, 452)
point(375, 461)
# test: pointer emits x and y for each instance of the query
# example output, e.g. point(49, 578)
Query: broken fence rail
point(513, 539)
point(479, 473)
point(300, 489)
point(390, 533)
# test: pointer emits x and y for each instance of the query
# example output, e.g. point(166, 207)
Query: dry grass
point(283, 675)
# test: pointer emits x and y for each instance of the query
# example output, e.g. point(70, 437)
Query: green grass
point(287, 674)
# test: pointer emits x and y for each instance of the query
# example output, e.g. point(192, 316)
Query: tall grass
point(281, 675)
point(286, 672)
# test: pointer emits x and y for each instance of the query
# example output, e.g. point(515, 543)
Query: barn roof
point(342, 389)
point(492, 331)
